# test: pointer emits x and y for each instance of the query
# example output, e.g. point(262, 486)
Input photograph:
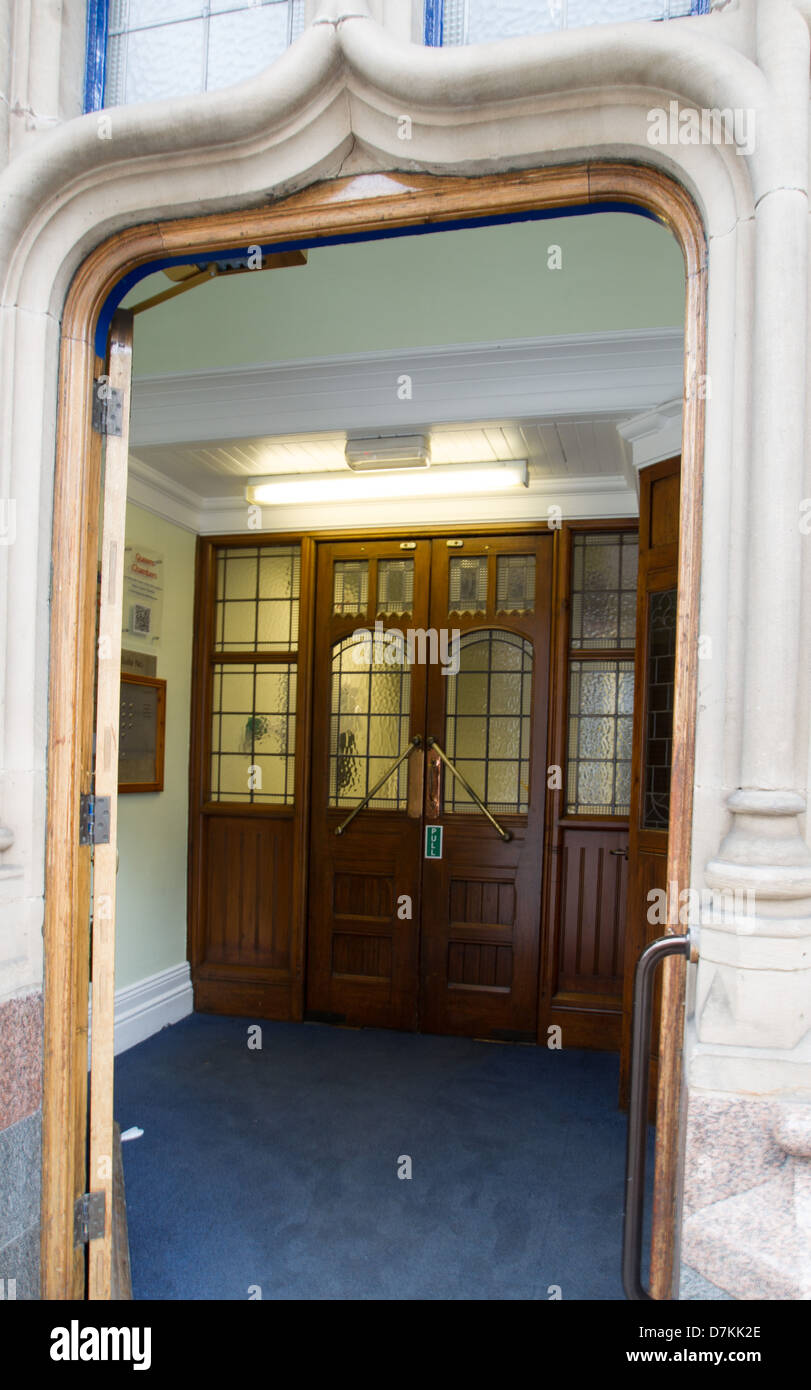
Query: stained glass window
point(659, 702)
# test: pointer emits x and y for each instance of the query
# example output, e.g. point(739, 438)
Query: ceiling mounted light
point(338, 486)
point(380, 452)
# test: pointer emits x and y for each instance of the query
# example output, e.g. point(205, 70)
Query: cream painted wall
point(153, 827)
point(618, 271)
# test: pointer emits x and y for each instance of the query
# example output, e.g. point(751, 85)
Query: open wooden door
point(114, 396)
point(652, 753)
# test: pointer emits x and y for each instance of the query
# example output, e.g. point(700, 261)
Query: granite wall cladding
point(20, 1145)
point(20, 1058)
point(747, 1198)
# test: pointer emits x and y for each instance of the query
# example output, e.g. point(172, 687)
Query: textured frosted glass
point(370, 708)
point(350, 593)
point(242, 44)
point(584, 12)
point(280, 573)
point(487, 723)
point(164, 62)
point(395, 586)
point(272, 623)
point(509, 18)
point(603, 603)
point(505, 693)
point(467, 584)
point(600, 734)
point(503, 19)
point(135, 14)
point(515, 583)
point(238, 624)
point(236, 578)
point(253, 733)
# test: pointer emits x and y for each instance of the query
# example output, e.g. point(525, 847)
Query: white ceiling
point(566, 448)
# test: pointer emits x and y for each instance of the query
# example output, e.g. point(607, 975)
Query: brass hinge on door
point(89, 1213)
point(94, 819)
point(108, 408)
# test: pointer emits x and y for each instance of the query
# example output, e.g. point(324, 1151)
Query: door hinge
point(108, 408)
point(89, 1213)
point(94, 819)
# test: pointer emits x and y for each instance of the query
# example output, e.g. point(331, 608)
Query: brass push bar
point(504, 834)
point(415, 743)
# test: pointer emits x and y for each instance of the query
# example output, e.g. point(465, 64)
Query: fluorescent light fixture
point(447, 481)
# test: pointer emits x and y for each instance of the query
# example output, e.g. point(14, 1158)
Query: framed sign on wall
point(142, 725)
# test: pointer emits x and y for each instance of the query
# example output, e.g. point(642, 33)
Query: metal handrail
point(415, 743)
point(505, 834)
point(638, 1108)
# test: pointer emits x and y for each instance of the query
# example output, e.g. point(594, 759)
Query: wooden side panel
point(592, 913)
point(247, 936)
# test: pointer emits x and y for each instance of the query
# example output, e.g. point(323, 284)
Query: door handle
point(432, 743)
point(622, 853)
point(638, 1107)
point(415, 743)
point(433, 782)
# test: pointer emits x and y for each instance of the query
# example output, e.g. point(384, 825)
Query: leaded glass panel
point(601, 706)
point(253, 732)
point(369, 722)
point(487, 722)
point(603, 605)
point(659, 721)
point(257, 599)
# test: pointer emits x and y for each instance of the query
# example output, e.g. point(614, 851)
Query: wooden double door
point(428, 783)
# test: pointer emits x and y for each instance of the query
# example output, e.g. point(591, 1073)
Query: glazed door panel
point(481, 900)
point(369, 702)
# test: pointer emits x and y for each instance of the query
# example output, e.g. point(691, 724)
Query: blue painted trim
point(95, 54)
point(434, 15)
point(129, 281)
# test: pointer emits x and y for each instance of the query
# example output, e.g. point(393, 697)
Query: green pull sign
point(433, 841)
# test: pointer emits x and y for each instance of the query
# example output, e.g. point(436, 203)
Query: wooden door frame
point(323, 210)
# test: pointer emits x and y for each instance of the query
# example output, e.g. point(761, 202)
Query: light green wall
point(153, 826)
point(619, 271)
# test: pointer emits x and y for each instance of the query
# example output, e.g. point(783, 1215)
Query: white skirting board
point(149, 1005)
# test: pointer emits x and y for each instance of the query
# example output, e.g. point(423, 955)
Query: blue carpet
point(278, 1167)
